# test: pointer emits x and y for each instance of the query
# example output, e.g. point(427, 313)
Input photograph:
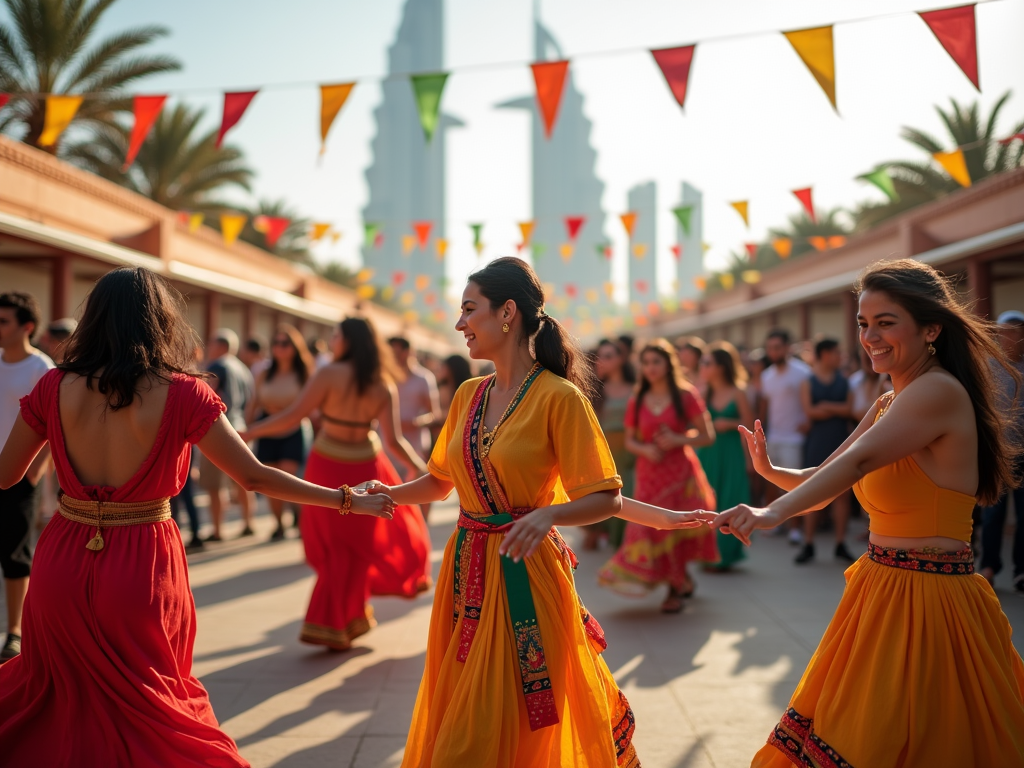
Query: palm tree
point(46, 50)
point(921, 181)
point(177, 166)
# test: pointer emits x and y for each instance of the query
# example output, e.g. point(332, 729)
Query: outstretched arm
point(21, 448)
point(528, 532)
point(310, 398)
point(658, 517)
point(422, 490)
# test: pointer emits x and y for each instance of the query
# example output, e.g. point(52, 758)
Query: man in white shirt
point(783, 411)
point(419, 405)
point(21, 366)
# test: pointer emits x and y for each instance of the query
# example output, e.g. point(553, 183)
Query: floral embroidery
point(794, 736)
point(952, 563)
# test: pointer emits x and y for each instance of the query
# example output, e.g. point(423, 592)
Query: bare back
point(343, 401)
point(107, 447)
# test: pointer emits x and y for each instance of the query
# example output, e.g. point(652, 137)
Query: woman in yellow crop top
point(916, 667)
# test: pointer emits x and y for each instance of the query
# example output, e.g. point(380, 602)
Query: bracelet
point(346, 500)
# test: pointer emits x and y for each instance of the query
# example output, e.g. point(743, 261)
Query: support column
point(805, 321)
point(212, 314)
point(248, 321)
point(851, 338)
point(979, 283)
point(60, 287)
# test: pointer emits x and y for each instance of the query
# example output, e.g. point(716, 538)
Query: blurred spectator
point(453, 371)
point(254, 354)
point(690, 350)
point(867, 386)
point(418, 402)
point(55, 337)
point(1011, 400)
point(827, 402)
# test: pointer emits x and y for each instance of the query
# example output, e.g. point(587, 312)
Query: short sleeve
point(693, 404)
point(35, 406)
point(438, 463)
point(202, 407)
point(629, 422)
point(585, 463)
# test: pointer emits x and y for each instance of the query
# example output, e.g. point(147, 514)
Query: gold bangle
point(346, 500)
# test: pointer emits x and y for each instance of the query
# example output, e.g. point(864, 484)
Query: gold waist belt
point(364, 450)
point(112, 514)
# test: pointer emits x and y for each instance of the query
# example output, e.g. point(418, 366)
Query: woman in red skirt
point(665, 421)
point(105, 673)
point(354, 558)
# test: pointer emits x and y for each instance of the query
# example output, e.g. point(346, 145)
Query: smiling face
point(653, 366)
point(894, 342)
point(481, 325)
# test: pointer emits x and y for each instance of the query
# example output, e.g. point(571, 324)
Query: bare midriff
point(941, 543)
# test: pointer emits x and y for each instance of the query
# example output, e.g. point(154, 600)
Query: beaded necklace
point(487, 435)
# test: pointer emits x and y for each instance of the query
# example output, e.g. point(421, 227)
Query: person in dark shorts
point(21, 366)
point(828, 402)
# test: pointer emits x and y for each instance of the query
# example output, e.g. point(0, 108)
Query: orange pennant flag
point(146, 109)
point(783, 246)
point(422, 229)
point(609, 289)
point(566, 250)
point(318, 230)
point(955, 165)
point(742, 208)
point(814, 47)
point(422, 281)
point(335, 237)
point(700, 282)
point(837, 241)
point(408, 243)
point(549, 78)
point(526, 229)
point(640, 250)
point(629, 222)
point(820, 243)
point(442, 247)
point(332, 99)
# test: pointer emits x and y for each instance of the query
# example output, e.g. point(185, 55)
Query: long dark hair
point(370, 361)
point(727, 358)
point(676, 382)
point(512, 279)
point(965, 348)
point(302, 363)
point(628, 374)
point(134, 326)
point(459, 370)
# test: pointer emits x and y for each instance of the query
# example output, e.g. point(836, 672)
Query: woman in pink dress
point(665, 421)
point(105, 673)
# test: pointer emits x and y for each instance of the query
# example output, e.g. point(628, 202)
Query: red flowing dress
point(105, 673)
point(649, 557)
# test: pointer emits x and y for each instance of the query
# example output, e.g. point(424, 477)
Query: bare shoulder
point(937, 392)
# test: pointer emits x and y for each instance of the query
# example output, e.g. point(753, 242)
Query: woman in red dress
point(105, 673)
point(354, 558)
point(665, 421)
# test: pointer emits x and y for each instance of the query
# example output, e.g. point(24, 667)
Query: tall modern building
point(643, 246)
point(691, 244)
point(565, 184)
point(407, 177)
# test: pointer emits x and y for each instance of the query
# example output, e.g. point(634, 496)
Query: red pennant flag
point(549, 78)
point(398, 277)
point(235, 105)
point(751, 251)
point(955, 29)
point(804, 196)
point(573, 224)
point(378, 240)
point(146, 109)
point(1007, 140)
point(4, 98)
point(641, 286)
point(275, 227)
point(422, 229)
point(677, 251)
point(675, 66)
point(570, 290)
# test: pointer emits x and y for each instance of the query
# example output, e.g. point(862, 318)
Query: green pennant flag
point(442, 282)
point(683, 214)
point(476, 233)
point(881, 179)
point(371, 229)
point(427, 90)
point(538, 249)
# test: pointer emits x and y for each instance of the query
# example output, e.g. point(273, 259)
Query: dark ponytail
point(966, 349)
point(512, 279)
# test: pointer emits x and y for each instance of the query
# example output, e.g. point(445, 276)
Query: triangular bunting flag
point(783, 246)
point(1007, 140)
point(441, 244)
point(335, 237)
point(700, 282)
point(742, 207)
point(366, 291)
point(422, 230)
point(814, 47)
point(818, 242)
point(479, 248)
point(728, 280)
point(573, 224)
point(954, 164)
point(398, 277)
point(477, 229)
point(538, 249)
point(370, 230)
point(750, 276)
point(231, 225)
point(955, 29)
point(683, 213)
point(408, 243)
point(881, 179)
point(422, 281)
point(378, 239)
point(836, 241)
point(526, 229)
point(641, 286)
point(609, 289)
point(427, 92)
point(570, 290)
point(639, 250)
point(60, 111)
point(332, 99)
point(146, 109)
point(675, 65)
point(272, 227)
point(195, 221)
point(751, 251)
point(566, 250)
point(629, 222)
point(549, 78)
point(364, 274)
point(804, 196)
point(235, 105)
point(4, 98)
point(318, 230)
point(677, 251)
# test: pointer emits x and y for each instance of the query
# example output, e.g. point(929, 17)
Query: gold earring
point(931, 349)
point(504, 328)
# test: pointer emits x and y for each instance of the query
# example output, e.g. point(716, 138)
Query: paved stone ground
point(706, 685)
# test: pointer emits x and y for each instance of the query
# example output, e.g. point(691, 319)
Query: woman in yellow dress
point(916, 667)
point(513, 675)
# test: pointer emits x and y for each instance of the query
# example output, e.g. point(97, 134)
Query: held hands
point(743, 520)
point(757, 447)
point(376, 504)
point(695, 519)
point(527, 534)
point(665, 440)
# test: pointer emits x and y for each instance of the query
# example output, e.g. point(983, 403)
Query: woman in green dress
point(724, 461)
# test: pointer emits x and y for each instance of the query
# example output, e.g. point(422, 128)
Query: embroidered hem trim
point(960, 563)
point(338, 639)
point(111, 514)
point(795, 738)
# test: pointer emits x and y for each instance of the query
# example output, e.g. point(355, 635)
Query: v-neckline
point(113, 490)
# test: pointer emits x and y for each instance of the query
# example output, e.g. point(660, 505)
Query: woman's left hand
point(527, 534)
point(666, 439)
point(742, 520)
point(695, 519)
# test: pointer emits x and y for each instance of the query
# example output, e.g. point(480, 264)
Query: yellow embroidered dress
point(513, 675)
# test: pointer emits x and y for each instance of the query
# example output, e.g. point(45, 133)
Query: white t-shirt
point(16, 381)
point(785, 408)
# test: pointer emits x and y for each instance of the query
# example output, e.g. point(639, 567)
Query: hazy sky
point(756, 125)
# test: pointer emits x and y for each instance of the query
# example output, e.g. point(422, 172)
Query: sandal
point(673, 603)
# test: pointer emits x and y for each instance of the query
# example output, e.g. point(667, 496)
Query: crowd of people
point(673, 454)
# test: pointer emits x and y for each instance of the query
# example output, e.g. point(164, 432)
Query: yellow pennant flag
point(422, 281)
point(60, 111)
point(728, 280)
point(566, 251)
point(318, 230)
point(387, 292)
point(442, 247)
point(332, 99)
point(640, 250)
point(526, 228)
point(742, 208)
point(231, 225)
point(195, 221)
point(955, 165)
point(783, 246)
point(814, 46)
point(335, 237)
point(751, 276)
point(591, 294)
point(479, 248)
point(408, 243)
point(609, 289)
point(366, 291)
point(705, 247)
point(364, 275)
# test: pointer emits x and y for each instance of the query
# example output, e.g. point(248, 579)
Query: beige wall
point(15, 277)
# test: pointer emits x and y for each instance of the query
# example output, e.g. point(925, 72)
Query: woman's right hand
point(375, 504)
point(757, 448)
point(653, 453)
point(372, 487)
